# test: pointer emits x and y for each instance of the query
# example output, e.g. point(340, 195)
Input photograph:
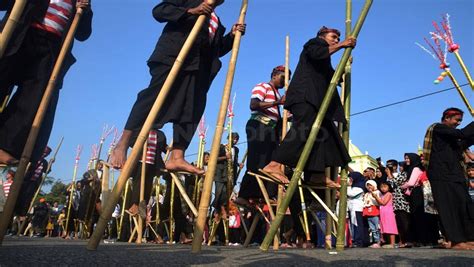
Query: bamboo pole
point(38, 120)
point(157, 194)
point(142, 194)
point(248, 238)
point(211, 171)
point(242, 162)
point(464, 68)
point(43, 178)
point(328, 201)
point(73, 186)
point(124, 202)
point(460, 91)
point(171, 217)
point(132, 159)
point(305, 213)
point(276, 241)
point(182, 190)
point(346, 89)
point(105, 182)
point(314, 132)
point(11, 24)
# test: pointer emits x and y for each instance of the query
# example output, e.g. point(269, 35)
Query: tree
point(57, 192)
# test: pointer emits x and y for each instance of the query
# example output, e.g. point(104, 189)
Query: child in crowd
point(470, 176)
point(388, 224)
point(234, 225)
point(355, 205)
point(49, 227)
point(371, 211)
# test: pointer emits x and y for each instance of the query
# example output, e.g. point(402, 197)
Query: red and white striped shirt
point(57, 17)
point(6, 187)
point(151, 146)
point(213, 25)
point(265, 93)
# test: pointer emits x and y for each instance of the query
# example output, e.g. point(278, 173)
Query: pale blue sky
point(388, 66)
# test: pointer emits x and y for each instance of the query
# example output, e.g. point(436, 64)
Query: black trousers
point(424, 228)
point(455, 208)
point(29, 69)
point(27, 191)
point(328, 150)
point(403, 219)
point(150, 173)
point(183, 107)
point(262, 140)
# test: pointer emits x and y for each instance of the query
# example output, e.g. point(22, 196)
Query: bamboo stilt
point(328, 201)
point(276, 241)
point(183, 193)
point(248, 238)
point(132, 159)
point(105, 182)
point(11, 24)
point(157, 193)
point(226, 231)
point(211, 171)
point(305, 214)
point(142, 194)
point(314, 131)
point(212, 234)
point(124, 202)
point(242, 162)
point(171, 217)
point(73, 186)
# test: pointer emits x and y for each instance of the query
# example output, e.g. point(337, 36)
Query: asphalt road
point(57, 252)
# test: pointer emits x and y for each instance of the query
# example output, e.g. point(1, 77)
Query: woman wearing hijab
point(424, 226)
point(401, 206)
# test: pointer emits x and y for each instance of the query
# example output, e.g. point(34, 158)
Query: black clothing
point(328, 151)
point(262, 140)
point(311, 80)
point(188, 95)
point(448, 181)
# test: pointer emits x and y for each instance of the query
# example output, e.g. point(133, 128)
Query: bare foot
point(118, 157)
point(182, 165)
point(274, 168)
point(6, 158)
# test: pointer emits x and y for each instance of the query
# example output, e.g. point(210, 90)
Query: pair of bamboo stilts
point(313, 134)
point(38, 120)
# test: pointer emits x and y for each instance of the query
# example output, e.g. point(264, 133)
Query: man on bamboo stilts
point(28, 62)
point(187, 99)
point(305, 95)
point(263, 134)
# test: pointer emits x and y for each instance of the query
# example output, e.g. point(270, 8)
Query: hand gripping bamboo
point(211, 170)
point(10, 26)
point(30, 142)
point(137, 147)
point(314, 132)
